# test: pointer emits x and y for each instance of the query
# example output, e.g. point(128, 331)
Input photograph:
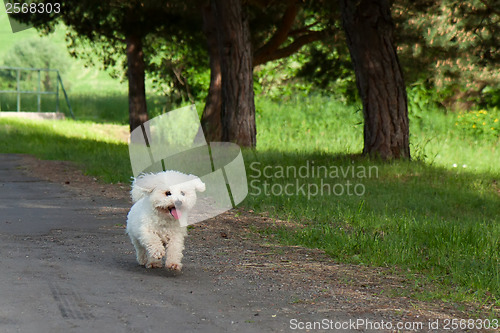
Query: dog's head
point(170, 193)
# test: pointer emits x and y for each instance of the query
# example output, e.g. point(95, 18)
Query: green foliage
point(490, 97)
point(34, 53)
point(453, 44)
point(277, 79)
point(449, 45)
point(178, 68)
point(327, 66)
point(448, 51)
point(481, 124)
point(97, 32)
point(318, 68)
point(422, 98)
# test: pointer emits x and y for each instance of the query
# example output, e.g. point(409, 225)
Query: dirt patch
point(232, 251)
point(69, 175)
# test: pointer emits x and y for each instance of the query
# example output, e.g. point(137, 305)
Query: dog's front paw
point(154, 264)
point(142, 259)
point(157, 253)
point(174, 266)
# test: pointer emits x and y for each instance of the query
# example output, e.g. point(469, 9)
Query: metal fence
point(39, 92)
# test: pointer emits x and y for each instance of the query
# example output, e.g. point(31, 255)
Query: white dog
point(159, 216)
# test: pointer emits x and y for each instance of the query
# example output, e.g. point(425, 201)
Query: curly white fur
point(156, 223)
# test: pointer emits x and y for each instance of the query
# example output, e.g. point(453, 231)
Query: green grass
point(437, 223)
point(109, 108)
point(322, 125)
point(438, 215)
point(318, 124)
point(419, 218)
point(97, 148)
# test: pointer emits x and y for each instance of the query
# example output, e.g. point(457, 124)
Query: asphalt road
point(66, 265)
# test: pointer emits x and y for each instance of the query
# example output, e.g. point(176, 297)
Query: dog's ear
point(199, 185)
point(142, 186)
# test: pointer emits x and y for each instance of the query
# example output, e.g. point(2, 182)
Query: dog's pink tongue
point(176, 214)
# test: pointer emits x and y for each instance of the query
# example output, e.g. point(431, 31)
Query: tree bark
point(211, 119)
point(238, 109)
point(138, 113)
point(369, 30)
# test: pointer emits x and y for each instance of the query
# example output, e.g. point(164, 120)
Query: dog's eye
point(168, 193)
point(182, 193)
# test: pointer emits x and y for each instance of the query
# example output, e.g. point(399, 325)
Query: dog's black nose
point(178, 203)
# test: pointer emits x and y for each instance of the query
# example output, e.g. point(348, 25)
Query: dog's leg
point(174, 252)
point(155, 250)
point(140, 251)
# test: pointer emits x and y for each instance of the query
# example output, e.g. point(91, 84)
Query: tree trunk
point(138, 113)
point(238, 109)
point(369, 30)
point(211, 119)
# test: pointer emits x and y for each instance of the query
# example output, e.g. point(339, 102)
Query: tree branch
point(290, 49)
point(490, 8)
point(281, 34)
point(303, 30)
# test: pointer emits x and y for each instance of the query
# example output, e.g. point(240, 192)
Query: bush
point(480, 124)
